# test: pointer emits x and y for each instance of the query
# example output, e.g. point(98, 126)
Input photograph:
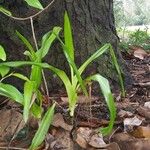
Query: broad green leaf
point(15, 64)
point(2, 53)
point(28, 45)
point(47, 41)
point(68, 36)
point(11, 92)
point(4, 70)
point(43, 128)
point(5, 11)
point(69, 41)
point(105, 87)
point(34, 3)
point(28, 93)
point(21, 76)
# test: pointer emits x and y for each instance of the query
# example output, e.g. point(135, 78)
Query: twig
point(33, 33)
point(32, 16)
point(45, 84)
point(12, 148)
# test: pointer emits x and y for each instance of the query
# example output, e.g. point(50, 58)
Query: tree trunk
point(92, 23)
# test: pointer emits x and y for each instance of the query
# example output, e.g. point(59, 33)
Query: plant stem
point(13, 148)
point(33, 33)
point(32, 16)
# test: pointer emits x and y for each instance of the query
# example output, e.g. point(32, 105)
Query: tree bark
point(92, 23)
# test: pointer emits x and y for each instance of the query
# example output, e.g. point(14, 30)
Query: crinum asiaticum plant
point(76, 80)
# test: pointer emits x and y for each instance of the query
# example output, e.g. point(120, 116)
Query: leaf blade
point(34, 3)
point(11, 92)
point(43, 128)
point(2, 53)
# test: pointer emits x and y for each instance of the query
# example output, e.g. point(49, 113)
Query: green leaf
point(68, 36)
point(105, 87)
point(5, 11)
point(97, 54)
point(28, 93)
point(34, 3)
point(11, 92)
point(2, 53)
point(36, 110)
point(28, 45)
point(73, 65)
point(21, 76)
point(4, 70)
point(47, 41)
point(71, 92)
point(36, 75)
point(43, 128)
point(115, 62)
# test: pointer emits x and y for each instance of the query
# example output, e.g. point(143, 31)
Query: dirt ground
point(131, 130)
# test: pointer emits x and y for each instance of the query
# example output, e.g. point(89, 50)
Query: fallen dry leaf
point(144, 111)
point(127, 142)
point(123, 113)
point(81, 99)
point(58, 121)
point(129, 123)
point(97, 141)
point(141, 132)
point(138, 52)
point(83, 136)
point(147, 105)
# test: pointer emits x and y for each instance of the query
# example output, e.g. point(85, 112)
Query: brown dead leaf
point(147, 105)
point(81, 99)
point(144, 111)
point(141, 132)
point(138, 52)
point(129, 123)
point(83, 136)
point(127, 142)
point(122, 113)
point(97, 141)
point(58, 121)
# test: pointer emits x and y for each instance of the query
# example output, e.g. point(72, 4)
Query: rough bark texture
point(92, 22)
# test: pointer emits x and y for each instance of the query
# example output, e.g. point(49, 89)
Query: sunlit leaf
point(11, 92)
point(34, 3)
point(105, 87)
point(21, 76)
point(28, 45)
point(5, 11)
point(36, 110)
point(68, 36)
point(4, 70)
point(43, 128)
point(28, 92)
point(73, 65)
point(36, 75)
point(2, 53)
point(47, 41)
point(72, 95)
